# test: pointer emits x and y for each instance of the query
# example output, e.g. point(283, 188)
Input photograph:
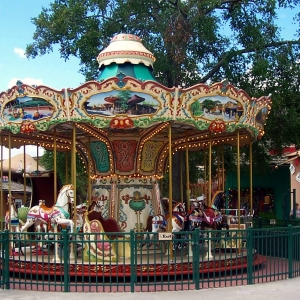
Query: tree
point(194, 41)
point(63, 163)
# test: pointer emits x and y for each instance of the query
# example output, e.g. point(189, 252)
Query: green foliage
point(63, 165)
point(194, 41)
point(267, 215)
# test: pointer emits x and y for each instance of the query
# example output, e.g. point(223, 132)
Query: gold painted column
point(55, 166)
point(209, 173)
point(205, 175)
point(223, 171)
point(89, 198)
point(74, 171)
point(24, 175)
point(170, 189)
point(251, 179)
point(181, 179)
point(67, 165)
point(238, 177)
point(187, 175)
point(170, 178)
point(1, 191)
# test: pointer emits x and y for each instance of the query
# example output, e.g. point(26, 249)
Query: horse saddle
point(47, 210)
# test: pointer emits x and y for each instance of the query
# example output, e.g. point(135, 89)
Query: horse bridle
point(68, 195)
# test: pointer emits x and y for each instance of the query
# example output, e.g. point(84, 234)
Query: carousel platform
point(145, 263)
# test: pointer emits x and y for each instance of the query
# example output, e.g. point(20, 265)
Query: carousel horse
point(57, 214)
point(97, 204)
point(80, 211)
point(109, 224)
point(11, 216)
point(158, 223)
point(13, 219)
point(203, 216)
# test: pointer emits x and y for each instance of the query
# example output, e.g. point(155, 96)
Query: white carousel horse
point(12, 217)
point(58, 214)
point(80, 211)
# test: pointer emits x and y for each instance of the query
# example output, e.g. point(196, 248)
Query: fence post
point(5, 245)
point(250, 255)
point(290, 251)
point(132, 261)
point(195, 245)
point(66, 251)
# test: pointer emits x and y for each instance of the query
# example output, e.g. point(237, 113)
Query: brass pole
point(9, 190)
point(67, 165)
point(170, 189)
point(24, 176)
point(74, 170)
point(170, 178)
point(1, 196)
point(9, 178)
point(181, 179)
point(238, 178)
point(218, 163)
point(209, 172)
point(187, 175)
point(55, 166)
point(205, 174)
point(89, 174)
point(251, 178)
point(223, 171)
point(37, 156)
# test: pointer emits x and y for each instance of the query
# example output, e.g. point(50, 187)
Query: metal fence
point(132, 262)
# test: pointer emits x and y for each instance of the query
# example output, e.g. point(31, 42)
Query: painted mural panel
point(150, 155)
point(135, 206)
point(100, 155)
point(121, 102)
point(27, 108)
point(100, 198)
point(124, 152)
point(217, 107)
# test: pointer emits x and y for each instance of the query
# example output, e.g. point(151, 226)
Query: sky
point(16, 31)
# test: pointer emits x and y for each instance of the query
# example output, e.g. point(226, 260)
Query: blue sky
point(16, 31)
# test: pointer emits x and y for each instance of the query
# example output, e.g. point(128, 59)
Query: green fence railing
point(135, 262)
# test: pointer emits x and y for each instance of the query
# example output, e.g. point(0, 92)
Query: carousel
point(126, 127)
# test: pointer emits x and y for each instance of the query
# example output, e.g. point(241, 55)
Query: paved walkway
point(284, 289)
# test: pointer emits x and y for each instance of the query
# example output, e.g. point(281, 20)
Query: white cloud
point(20, 52)
point(26, 80)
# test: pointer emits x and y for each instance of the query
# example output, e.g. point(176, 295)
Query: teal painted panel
point(143, 73)
point(100, 155)
point(108, 72)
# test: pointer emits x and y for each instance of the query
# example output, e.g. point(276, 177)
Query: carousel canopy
point(123, 121)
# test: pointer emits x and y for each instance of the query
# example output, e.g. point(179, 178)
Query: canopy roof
point(130, 138)
point(18, 164)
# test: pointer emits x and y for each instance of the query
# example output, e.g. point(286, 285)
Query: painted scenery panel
point(217, 107)
point(121, 102)
point(27, 108)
